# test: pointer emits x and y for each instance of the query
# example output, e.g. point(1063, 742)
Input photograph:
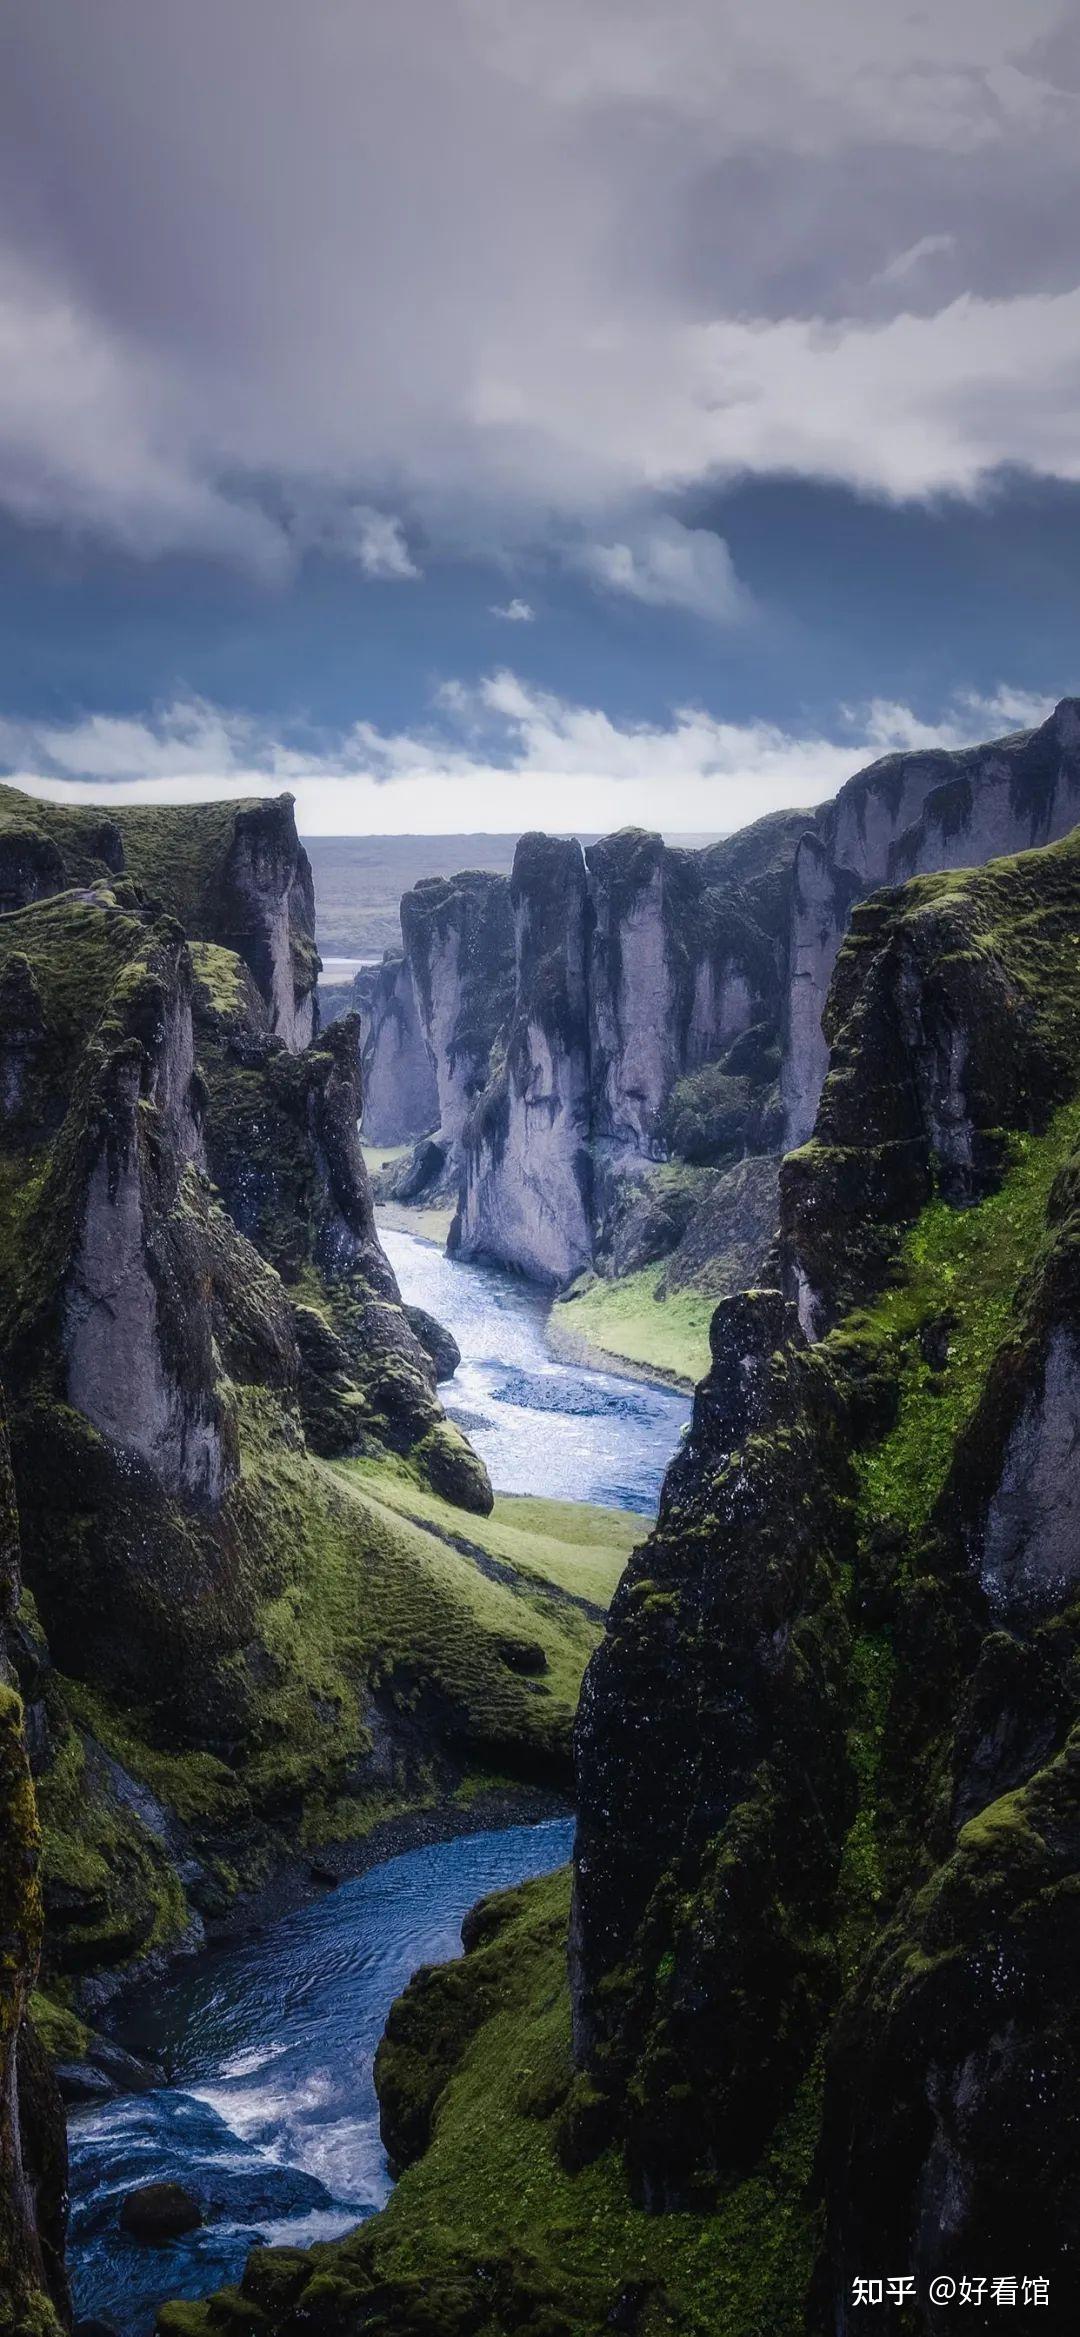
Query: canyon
point(804, 2002)
point(622, 1048)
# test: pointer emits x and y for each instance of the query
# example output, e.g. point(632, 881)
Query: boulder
point(160, 2211)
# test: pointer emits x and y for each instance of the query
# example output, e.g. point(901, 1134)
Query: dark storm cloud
point(494, 272)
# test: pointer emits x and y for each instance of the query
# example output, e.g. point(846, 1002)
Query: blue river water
point(269, 2112)
point(542, 1426)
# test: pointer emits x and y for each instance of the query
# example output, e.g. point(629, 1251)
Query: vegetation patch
point(942, 1324)
point(631, 1318)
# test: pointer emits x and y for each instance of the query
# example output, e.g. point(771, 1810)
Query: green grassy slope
point(629, 1319)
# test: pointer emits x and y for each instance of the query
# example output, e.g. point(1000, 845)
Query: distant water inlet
point(270, 2116)
point(540, 1425)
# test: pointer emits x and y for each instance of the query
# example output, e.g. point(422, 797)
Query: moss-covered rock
point(33, 2158)
point(234, 874)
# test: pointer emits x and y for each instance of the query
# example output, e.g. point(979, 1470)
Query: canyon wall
point(905, 815)
point(431, 1014)
point(526, 1199)
point(459, 940)
point(401, 1096)
point(33, 2148)
point(635, 965)
point(235, 874)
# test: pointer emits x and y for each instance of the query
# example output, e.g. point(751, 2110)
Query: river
point(541, 1426)
point(269, 2112)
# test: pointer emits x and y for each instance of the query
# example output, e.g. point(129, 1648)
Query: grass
point(222, 976)
point(626, 1318)
point(577, 1547)
point(439, 1599)
point(965, 1264)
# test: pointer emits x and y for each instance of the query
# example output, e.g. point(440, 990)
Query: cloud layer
point(489, 756)
point(489, 273)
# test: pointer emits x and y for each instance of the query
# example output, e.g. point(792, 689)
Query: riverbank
point(623, 1326)
point(492, 1620)
point(618, 1327)
point(429, 1225)
point(570, 1345)
point(304, 1876)
point(584, 1450)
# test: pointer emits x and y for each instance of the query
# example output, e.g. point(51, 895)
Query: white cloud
point(889, 728)
point(501, 755)
point(671, 566)
point(515, 612)
point(92, 434)
point(377, 541)
point(906, 407)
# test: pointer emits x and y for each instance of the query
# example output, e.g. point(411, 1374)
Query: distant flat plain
point(359, 880)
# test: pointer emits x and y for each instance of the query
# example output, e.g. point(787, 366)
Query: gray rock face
point(459, 942)
point(672, 958)
point(401, 1097)
point(268, 915)
point(526, 1198)
point(910, 815)
point(127, 1289)
point(635, 964)
point(1030, 1553)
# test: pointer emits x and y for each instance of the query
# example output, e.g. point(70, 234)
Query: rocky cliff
point(821, 2008)
point(431, 1015)
point(401, 1097)
point(527, 1196)
point(703, 978)
point(231, 873)
point(638, 969)
point(459, 941)
point(905, 815)
point(841, 1649)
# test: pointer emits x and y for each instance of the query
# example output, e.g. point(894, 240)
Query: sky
point(479, 414)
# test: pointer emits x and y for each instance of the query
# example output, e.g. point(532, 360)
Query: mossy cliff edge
point(266, 1603)
point(821, 2015)
point(33, 2151)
